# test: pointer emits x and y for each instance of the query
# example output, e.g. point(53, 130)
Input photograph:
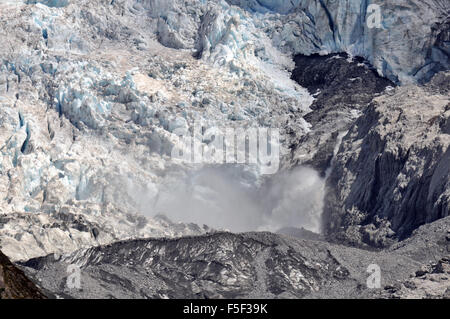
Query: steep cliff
point(392, 171)
point(14, 284)
point(406, 40)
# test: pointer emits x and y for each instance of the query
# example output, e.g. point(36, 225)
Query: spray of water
point(234, 199)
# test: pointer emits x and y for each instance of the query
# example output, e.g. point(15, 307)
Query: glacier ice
point(91, 93)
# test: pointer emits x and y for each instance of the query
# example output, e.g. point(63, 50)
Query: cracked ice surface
point(91, 93)
point(88, 107)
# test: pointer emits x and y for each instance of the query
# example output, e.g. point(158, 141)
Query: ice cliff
point(92, 94)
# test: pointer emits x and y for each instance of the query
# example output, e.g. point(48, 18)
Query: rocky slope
point(14, 284)
point(430, 282)
point(314, 26)
point(392, 171)
point(226, 265)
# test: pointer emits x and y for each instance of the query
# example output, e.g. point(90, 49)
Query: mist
point(231, 198)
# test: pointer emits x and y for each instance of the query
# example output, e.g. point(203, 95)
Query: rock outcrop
point(392, 171)
point(94, 95)
point(14, 284)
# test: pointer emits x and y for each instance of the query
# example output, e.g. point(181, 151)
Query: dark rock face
point(226, 265)
point(339, 78)
point(14, 284)
point(342, 87)
point(441, 48)
point(392, 171)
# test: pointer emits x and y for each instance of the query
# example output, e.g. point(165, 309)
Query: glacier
point(91, 93)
